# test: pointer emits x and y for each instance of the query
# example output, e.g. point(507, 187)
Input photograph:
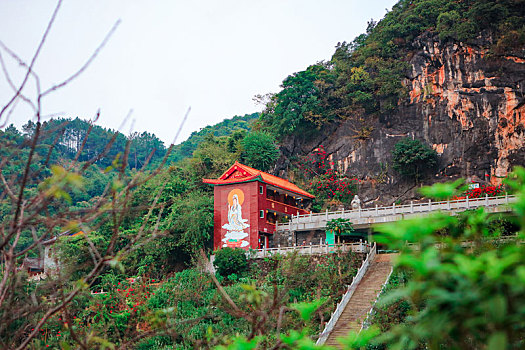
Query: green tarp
point(330, 237)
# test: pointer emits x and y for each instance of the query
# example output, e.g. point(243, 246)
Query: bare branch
point(12, 85)
point(33, 60)
point(86, 65)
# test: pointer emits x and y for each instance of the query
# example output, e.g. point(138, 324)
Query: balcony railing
point(394, 212)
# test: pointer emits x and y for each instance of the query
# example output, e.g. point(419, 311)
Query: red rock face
point(461, 82)
point(468, 104)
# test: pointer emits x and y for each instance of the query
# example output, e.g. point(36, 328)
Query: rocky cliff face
point(468, 105)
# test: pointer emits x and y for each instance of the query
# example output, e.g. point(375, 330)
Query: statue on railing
point(356, 203)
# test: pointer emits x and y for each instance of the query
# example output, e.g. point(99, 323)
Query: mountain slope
point(448, 73)
point(225, 128)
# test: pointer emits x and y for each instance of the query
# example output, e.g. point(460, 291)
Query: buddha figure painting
point(235, 234)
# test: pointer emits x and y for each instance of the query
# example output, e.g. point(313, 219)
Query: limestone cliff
point(467, 104)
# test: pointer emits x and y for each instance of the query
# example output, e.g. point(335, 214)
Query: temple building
point(247, 204)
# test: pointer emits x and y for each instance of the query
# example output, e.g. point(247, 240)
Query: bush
point(412, 158)
point(259, 150)
point(230, 261)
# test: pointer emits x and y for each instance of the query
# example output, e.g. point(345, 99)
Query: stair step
point(362, 300)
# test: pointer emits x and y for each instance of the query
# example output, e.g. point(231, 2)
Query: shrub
point(259, 150)
point(327, 182)
point(412, 158)
point(230, 261)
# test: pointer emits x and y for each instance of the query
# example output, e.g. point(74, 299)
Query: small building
point(48, 263)
point(247, 204)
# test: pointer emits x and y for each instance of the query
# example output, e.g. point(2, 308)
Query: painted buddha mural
point(235, 234)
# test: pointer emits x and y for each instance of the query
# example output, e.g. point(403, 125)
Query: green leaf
point(443, 190)
point(356, 340)
point(306, 309)
point(497, 341)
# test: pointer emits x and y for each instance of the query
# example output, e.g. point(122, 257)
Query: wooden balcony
point(285, 209)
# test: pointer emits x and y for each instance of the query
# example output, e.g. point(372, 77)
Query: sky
point(168, 55)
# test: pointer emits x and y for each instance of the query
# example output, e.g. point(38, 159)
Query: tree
point(412, 158)
point(301, 105)
point(35, 211)
point(339, 227)
point(230, 261)
point(259, 150)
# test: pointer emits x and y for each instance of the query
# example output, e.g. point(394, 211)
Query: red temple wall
point(249, 212)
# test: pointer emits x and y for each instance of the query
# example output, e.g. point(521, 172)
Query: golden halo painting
point(240, 196)
point(235, 234)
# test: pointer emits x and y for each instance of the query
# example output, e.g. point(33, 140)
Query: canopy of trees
point(237, 124)
point(363, 79)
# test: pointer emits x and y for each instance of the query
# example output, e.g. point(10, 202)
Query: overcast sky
point(169, 55)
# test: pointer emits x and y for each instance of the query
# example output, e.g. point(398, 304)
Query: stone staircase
point(362, 299)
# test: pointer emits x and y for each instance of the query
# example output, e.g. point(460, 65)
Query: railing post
point(343, 213)
point(486, 200)
point(359, 211)
point(394, 208)
point(377, 211)
point(310, 248)
point(326, 214)
point(468, 206)
point(310, 216)
point(430, 205)
point(506, 198)
point(448, 204)
point(278, 248)
point(411, 206)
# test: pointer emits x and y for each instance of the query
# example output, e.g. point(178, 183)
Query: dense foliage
point(228, 127)
point(326, 181)
point(187, 310)
point(412, 158)
point(129, 276)
point(461, 296)
point(230, 261)
point(259, 150)
point(72, 136)
point(363, 79)
point(485, 190)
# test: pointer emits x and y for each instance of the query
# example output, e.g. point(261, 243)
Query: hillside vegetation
point(237, 124)
point(364, 78)
point(133, 220)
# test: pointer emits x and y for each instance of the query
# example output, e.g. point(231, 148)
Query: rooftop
point(239, 173)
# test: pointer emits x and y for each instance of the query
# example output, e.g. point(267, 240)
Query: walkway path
point(363, 298)
point(362, 218)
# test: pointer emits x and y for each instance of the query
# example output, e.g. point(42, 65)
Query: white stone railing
point(359, 247)
point(394, 212)
point(102, 291)
point(346, 297)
